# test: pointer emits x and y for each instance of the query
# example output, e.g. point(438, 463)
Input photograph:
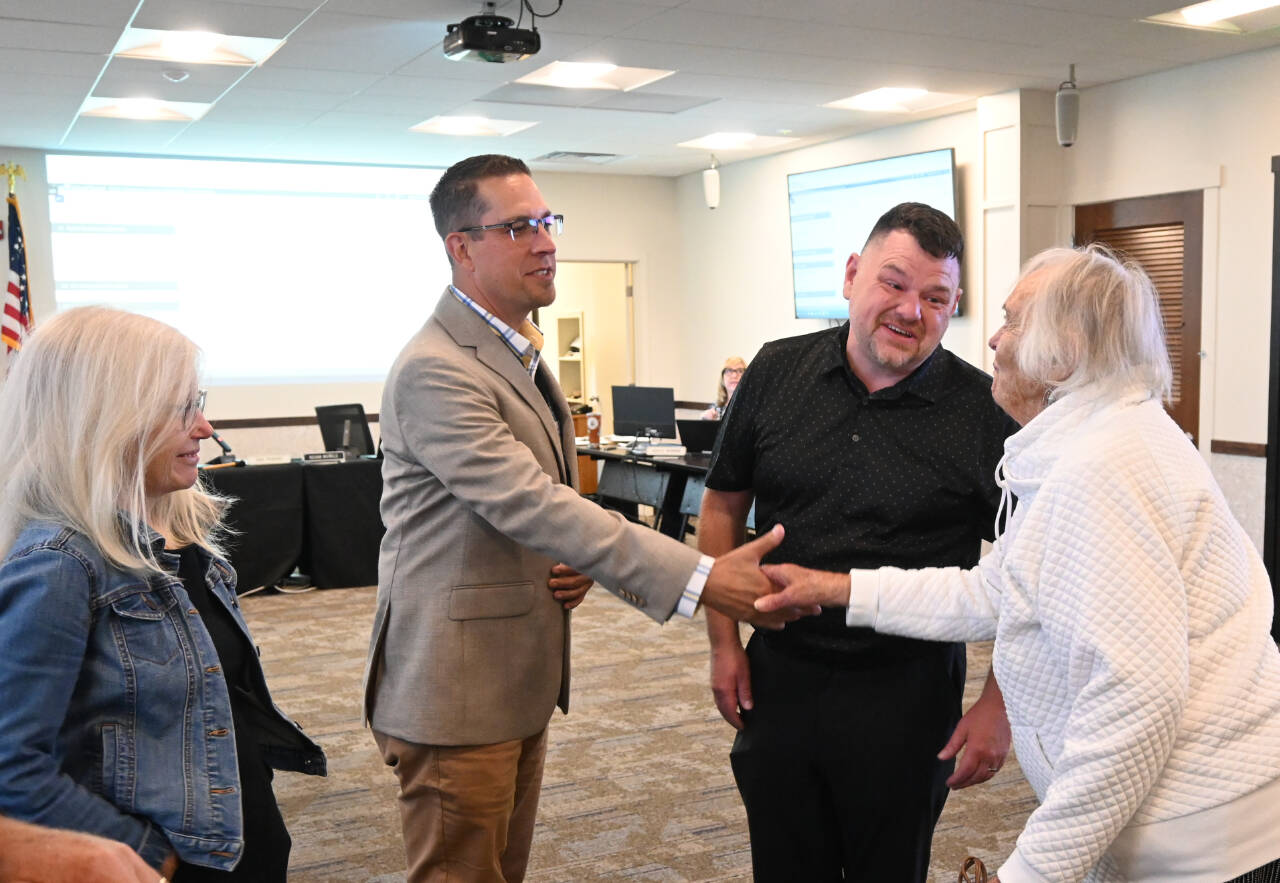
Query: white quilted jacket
point(1130, 615)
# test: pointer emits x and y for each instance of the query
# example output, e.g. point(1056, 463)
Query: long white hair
point(1094, 322)
point(86, 406)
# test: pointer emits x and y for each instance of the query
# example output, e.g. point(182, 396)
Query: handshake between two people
point(769, 595)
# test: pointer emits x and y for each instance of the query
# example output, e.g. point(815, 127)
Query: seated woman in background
point(1130, 611)
point(133, 703)
point(730, 374)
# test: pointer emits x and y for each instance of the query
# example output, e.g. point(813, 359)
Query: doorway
point(1163, 234)
point(590, 333)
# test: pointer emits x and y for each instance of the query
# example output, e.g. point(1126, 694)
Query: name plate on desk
point(324, 457)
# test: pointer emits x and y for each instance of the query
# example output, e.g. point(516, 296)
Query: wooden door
point(1164, 235)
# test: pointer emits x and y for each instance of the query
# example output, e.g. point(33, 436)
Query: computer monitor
point(644, 411)
point(345, 428)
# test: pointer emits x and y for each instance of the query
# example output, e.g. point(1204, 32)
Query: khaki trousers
point(467, 811)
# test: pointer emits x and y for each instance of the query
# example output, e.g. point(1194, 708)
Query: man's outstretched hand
point(737, 581)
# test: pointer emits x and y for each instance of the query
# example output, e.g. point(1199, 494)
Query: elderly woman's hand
point(802, 587)
point(984, 735)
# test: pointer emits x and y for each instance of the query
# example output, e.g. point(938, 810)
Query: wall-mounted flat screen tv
point(833, 211)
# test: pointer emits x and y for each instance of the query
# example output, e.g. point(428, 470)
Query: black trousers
point(838, 768)
point(266, 840)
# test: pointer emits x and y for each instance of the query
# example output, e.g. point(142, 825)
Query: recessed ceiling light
point(140, 108)
point(470, 125)
point(195, 47)
point(734, 141)
point(895, 99)
point(593, 75)
point(890, 99)
point(1217, 15)
point(1221, 10)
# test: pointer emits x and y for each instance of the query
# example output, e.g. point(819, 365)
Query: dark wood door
point(1164, 235)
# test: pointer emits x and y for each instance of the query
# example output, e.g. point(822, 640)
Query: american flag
point(16, 321)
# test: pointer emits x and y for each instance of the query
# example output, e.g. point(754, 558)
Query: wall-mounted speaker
point(1067, 109)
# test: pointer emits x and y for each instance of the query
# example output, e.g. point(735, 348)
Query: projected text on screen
point(281, 272)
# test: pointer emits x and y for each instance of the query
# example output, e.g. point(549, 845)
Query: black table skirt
point(343, 527)
point(266, 518)
point(321, 518)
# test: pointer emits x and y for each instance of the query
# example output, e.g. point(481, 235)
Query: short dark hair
point(454, 200)
point(937, 234)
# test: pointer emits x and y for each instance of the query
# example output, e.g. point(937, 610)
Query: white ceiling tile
point(429, 88)
point(398, 105)
point(307, 5)
point(252, 98)
point(362, 55)
point(359, 72)
point(361, 32)
point(417, 10)
point(99, 12)
point(226, 114)
point(598, 17)
point(214, 131)
point(27, 83)
point(56, 36)
point(61, 64)
point(20, 109)
point(1113, 8)
point(272, 76)
point(648, 102)
point(365, 122)
point(138, 77)
point(222, 18)
point(108, 134)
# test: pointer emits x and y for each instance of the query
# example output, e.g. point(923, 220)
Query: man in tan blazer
point(488, 545)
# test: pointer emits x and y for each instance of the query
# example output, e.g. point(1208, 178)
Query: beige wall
point(1197, 127)
point(736, 271)
point(630, 219)
point(597, 291)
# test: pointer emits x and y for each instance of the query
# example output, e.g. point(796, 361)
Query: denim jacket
point(114, 714)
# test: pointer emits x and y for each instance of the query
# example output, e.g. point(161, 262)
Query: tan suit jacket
point(469, 647)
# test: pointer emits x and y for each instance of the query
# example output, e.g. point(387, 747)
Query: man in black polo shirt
point(873, 446)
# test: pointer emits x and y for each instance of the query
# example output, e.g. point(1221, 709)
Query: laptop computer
point(698, 435)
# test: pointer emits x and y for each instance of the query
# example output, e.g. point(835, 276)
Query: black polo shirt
point(903, 476)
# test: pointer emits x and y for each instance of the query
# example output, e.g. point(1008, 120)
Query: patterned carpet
point(637, 784)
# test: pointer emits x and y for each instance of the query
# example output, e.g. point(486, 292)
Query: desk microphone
point(226, 458)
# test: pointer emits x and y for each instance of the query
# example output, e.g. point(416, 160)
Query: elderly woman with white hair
point(1130, 611)
point(132, 702)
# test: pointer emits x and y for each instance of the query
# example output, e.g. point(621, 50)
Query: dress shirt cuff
point(864, 598)
point(693, 589)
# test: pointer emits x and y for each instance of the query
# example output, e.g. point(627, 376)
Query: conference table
point(671, 485)
point(321, 519)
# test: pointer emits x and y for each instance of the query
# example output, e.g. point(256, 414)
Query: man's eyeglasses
point(191, 408)
point(523, 228)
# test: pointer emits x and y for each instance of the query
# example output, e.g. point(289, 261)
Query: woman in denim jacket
point(132, 703)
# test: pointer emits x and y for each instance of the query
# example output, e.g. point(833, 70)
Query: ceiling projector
point(489, 38)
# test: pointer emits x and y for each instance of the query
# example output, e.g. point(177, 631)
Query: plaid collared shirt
point(527, 350)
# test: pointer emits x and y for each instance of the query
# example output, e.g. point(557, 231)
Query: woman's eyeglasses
point(193, 407)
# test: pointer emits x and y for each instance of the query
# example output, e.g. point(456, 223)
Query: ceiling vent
point(572, 156)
